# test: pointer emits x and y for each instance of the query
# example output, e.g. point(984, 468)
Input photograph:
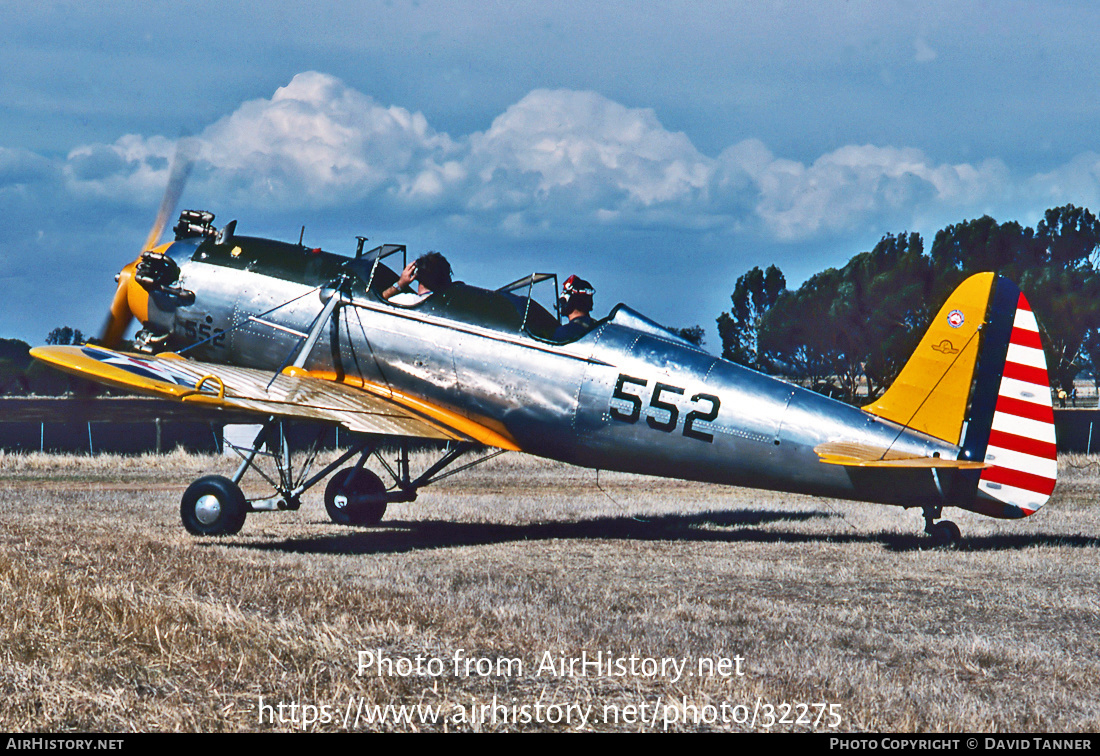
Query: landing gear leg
point(943, 533)
point(356, 496)
point(214, 505)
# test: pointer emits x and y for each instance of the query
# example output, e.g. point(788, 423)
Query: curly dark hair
point(433, 270)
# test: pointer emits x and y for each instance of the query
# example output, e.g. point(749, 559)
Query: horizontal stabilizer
point(860, 455)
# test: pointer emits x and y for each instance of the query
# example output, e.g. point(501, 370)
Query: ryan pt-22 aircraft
point(289, 332)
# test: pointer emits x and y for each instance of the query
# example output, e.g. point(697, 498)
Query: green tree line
point(857, 325)
point(20, 375)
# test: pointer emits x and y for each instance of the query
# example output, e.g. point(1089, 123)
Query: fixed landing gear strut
point(943, 533)
point(357, 496)
point(215, 505)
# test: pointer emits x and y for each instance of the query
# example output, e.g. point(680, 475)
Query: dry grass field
point(114, 619)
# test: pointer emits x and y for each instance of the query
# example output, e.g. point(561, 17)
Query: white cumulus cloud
point(315, 142)
point(587, 146)
point(856, 184)
point(1077, 181)
point(319, 140)
point(556, 161)
point(133, 168)
point(923, 52)
point(22, 167)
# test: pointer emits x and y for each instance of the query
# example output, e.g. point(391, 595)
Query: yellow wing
point(364, 407)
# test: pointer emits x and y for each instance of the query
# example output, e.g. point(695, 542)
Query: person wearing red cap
point(576, 304)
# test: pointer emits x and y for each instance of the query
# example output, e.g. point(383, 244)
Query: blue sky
point(657, 149)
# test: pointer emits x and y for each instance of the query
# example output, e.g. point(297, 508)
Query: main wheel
point(945, 533)
point(358, 500)
point(213, 505)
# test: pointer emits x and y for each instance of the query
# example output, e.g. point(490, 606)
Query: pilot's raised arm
point(432, 273)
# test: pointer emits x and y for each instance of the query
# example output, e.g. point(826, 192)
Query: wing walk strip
point(1021, 449)
point(316, 399)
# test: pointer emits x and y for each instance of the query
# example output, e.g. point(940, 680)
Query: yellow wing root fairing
point(476, 431)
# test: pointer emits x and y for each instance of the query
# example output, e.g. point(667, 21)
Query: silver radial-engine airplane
point(284, 331)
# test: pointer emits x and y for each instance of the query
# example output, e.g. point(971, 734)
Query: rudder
point(1012, 417)
point(978, 379)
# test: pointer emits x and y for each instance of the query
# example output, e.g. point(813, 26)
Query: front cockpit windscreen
point(373, 274)
point(535, 297)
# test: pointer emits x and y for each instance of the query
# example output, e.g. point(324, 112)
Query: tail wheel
point(355, 497)
point(213, 506)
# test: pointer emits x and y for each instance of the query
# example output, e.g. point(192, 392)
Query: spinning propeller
point(130, 297)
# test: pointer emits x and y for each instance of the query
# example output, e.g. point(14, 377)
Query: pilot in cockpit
point(432, 273)
point(576, 304)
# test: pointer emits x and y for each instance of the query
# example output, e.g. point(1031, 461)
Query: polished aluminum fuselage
point(628, 396)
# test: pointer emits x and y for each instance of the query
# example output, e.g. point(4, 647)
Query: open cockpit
point(527, 306)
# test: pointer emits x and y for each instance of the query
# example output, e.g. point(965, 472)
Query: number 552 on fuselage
point(287, 331)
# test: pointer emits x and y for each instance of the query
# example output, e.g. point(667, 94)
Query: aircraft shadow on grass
point(738, 526)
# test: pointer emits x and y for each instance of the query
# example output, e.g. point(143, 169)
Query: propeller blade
point(177, 180)
point(121, 314)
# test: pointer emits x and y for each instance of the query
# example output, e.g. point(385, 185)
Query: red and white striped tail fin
point(1021, 448)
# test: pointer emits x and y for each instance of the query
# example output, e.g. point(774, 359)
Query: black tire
point(946, 533)
point(355, 501)
point(213, 506)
